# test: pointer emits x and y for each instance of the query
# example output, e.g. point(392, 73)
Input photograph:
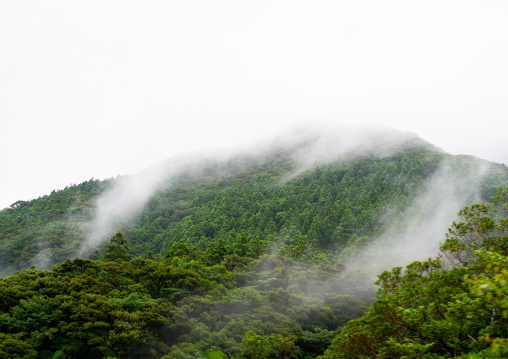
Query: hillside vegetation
point(316, 215)
point(455, 305)
point(249, 258)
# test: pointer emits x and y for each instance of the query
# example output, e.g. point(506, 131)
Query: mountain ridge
point(100, 208)
point(267, 253)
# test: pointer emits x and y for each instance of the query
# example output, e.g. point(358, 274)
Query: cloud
point(417, 233)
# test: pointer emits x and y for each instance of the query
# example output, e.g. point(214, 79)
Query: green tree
point(430, 311)
point(492, 286)
point(15, 349)
point(216, 251)
point(242, 246)
point(269, 346)
point(117, 249)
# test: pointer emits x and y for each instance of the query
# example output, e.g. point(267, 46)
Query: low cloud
point(129, 194)
point(419, 231)
point(428, 217)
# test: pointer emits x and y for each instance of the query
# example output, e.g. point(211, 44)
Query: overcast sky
point(100, 88)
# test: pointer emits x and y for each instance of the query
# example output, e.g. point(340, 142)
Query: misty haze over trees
point(268, 253)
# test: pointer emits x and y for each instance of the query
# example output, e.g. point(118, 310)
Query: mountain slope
point(442, 308)
point(307, 198)
point(240, 256)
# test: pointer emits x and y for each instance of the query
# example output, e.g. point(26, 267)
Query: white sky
point(100, 88)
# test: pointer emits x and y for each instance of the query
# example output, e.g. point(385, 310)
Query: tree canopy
point(451, 306)
point(246, 259)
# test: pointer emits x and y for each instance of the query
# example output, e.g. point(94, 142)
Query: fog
point(309, 145)
point(447, 191)
point(129, 194)
point(443, 194)
point(97, 89)
point(319, 144)
point(436, 207)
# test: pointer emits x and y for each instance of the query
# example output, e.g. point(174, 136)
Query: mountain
point(332, 194)
point(266, 253)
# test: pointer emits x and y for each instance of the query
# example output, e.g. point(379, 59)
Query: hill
point(312, 198)
point(265, 253)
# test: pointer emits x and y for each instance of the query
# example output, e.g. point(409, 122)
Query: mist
point(129, 194)
point(147, 82)
point(435, 209)
point(146, 94)
point(317, 296)
point(432, 212)
point(310, 146)
point(316, 144)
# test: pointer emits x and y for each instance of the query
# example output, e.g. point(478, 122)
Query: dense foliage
point(438, 308)
point(322, 214)
point(243, 259)
point(184, 307)
point(47, 230)
point(270, 307)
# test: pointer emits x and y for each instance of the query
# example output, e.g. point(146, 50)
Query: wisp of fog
point(431, 214)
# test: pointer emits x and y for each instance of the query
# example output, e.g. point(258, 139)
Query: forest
point(254, 258)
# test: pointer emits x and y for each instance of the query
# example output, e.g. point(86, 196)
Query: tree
point(484, 226)
point(216, 251)
point(430, 311)
point(117, 250)
point(269, 346)
point(492, 286)
point(18, 204)
point(258, 246)
point(15, 348)
point(242, 247)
